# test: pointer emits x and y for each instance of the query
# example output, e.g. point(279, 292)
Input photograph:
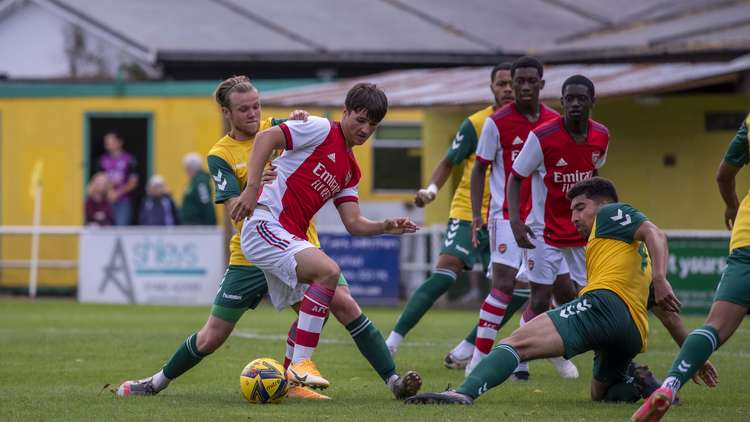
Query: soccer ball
point(263, 381)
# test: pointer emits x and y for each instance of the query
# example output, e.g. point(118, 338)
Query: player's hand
point(269, 175)
point(299, 115)
point(399, 225)
point(521, 232)
point(729, 216)
point(476, 225)
point(423, 197)
point(665, 297)
point(244, 206)
point(708, 374)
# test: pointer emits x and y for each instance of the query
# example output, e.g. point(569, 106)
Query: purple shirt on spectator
point(118, 170)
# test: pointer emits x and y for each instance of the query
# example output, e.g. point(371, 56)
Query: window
point(724, 120)
point(397, 157)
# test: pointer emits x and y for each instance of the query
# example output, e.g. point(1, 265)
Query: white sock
point(392, 379)
point(160, 381)
point(463, 350)
point(394, 340)
point(522, 367)
point(673, 384)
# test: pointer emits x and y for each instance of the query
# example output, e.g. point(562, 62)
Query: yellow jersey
point(463, 149)
point(618, 263)
point(738, 155)
point(227, 163)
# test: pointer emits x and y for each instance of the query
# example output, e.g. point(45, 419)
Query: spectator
point(120, 167)
point(197, 208)
point(158, 208)
point(98, 209)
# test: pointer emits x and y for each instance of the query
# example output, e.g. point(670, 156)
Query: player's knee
point(329, 275)
point(450, 262)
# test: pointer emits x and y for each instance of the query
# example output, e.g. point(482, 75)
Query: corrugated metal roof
point(414, 31)
point(469, 86)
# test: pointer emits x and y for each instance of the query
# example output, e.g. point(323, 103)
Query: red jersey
point(316, 166)
point(502, 139)
point(555, 163)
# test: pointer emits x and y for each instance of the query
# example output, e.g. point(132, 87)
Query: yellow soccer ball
point(263, 381)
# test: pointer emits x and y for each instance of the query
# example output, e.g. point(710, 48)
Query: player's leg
point(371, 344)
point(311, 265)
point(582, 325)
point(462, 353)
point(296, 272)
point(242, 287)
point(493, 311)
point(454, 257)
point(537, 339)
point(506, 258)
point(731, 302)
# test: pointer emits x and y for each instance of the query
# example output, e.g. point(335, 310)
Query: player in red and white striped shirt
point(317, 165)
point(555, 156)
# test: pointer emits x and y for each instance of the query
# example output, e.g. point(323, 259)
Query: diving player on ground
point(610, 314)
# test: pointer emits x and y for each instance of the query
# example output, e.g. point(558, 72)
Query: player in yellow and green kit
point(244, 285)
point(732, 298)
point(609, 316)
point(458, 252)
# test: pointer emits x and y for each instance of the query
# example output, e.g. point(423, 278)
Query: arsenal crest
point(595, 157)
point(502, 247)
point(530, 264)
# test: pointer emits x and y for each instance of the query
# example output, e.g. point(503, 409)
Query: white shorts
point(544, 263)
point(271, 248)
point(503, 247)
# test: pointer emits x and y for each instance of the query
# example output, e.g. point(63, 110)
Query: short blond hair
point(234, 84)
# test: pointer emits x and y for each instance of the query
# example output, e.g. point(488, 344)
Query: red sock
point(490, 317)
point(313, 311)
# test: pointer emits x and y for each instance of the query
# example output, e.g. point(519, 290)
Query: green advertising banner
point(696, 261)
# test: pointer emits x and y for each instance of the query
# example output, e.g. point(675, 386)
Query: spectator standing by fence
point(158, 207)
point(197, 208)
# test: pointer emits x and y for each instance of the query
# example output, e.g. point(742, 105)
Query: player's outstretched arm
point(725, 178)
point(676, 328)
point(265, 142)
point(656, 242)
point(437, 180)
point(358, 225)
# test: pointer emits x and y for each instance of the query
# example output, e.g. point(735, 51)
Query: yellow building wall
point(643, 132)
point(53, 130)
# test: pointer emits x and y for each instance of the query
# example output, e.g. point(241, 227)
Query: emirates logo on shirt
point(568, 179)
point(326, 184)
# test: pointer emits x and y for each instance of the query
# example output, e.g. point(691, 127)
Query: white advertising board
point(150, 265)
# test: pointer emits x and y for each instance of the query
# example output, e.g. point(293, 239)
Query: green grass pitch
point(56, 355)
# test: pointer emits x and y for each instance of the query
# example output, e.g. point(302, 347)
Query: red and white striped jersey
point(502, 138)
point(555, 163)
point(316, 166)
